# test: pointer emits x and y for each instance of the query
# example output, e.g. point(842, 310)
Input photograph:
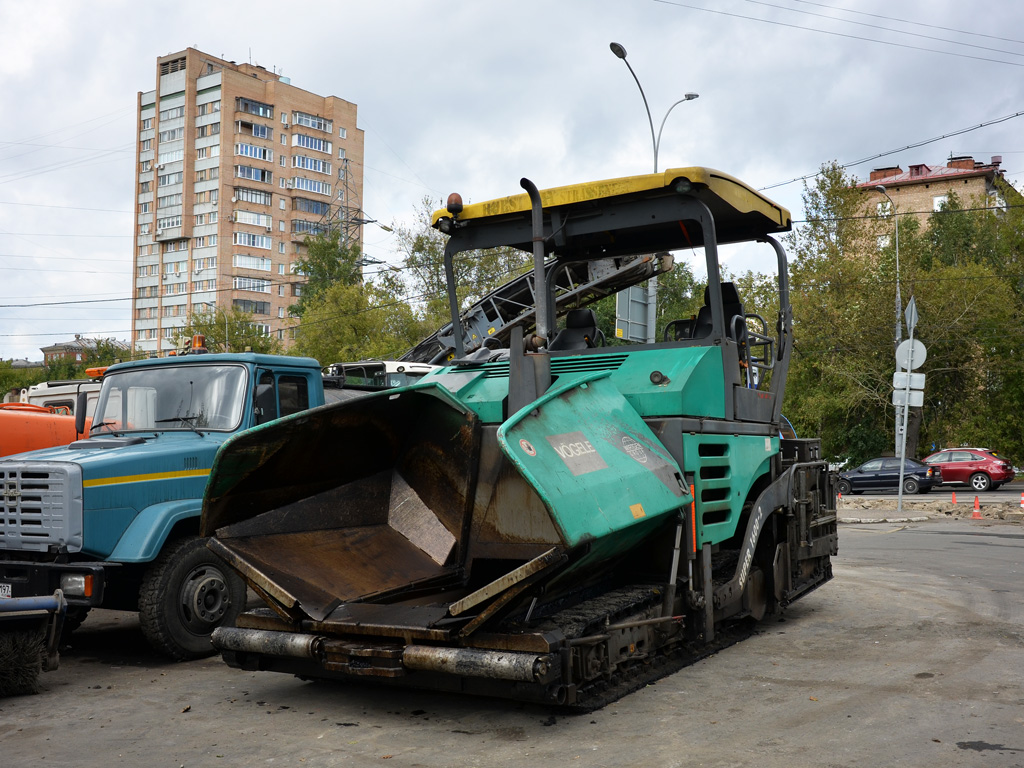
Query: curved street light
point(619, 51)
point(652, 284)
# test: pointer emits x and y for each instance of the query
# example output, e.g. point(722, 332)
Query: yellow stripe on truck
point(143, 478)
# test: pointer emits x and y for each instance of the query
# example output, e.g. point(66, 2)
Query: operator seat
point(580, 331)
point(731, 305)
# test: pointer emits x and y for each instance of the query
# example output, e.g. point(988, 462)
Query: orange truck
point(44, 415)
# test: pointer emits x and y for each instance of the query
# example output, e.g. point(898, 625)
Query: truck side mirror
point(81, 404)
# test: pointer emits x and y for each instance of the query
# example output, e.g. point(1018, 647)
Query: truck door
point(280, 395)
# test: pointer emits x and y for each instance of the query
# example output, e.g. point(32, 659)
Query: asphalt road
point(1011, 492)
point(911, 656)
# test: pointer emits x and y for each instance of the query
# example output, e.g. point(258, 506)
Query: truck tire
point(188, 592)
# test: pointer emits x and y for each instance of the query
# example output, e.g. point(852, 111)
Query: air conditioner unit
point(160, 167)
point(289, 184)
point(270, 228)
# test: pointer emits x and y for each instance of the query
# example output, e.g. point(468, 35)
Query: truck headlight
point(76, 584)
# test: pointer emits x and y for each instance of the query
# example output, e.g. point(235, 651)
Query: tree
point(476, 272)
point(232, 331)
point(328, 260)
point(357, 322)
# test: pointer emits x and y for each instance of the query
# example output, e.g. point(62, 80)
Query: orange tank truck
point(28, 427)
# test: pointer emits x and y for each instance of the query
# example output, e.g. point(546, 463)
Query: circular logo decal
point(634, 449)
point(525, 445)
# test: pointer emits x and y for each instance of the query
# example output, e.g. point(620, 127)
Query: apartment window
point(202, 131)
point(175, 245)
point(311, 142)
point(170, 333)
point(144, 207)
point(208, 174)
point(204, 241)
point(883, 209)
point(208, 108)
point(252, 241)
point(311, 185)
point(144, 186)
point(284, 138)
point(254, 107)
point(256, 219)
point(168, 200)
point(144, 229)
point(146, 166)
point(251, 150)
point(207, 196)
point(244, 261)
point(251, 306)
point(257, 196)
point(310, 206)
point(311, 164)
point(147, 124)
point(204, 285)
point(250, 284)
point(307, 227)
point(146, 144)
point(170, 178)
point(206, 262)
point(202, 153)
point(280, 312)
point(168, 222)
point(280, 247)
point(341, 155)
point(343, 133)
point(171, 156)
point(172, 134)
point(938, 201)
point(254, 174)
point(173, 112)
point(312, 121)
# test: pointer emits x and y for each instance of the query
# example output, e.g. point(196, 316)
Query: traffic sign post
point(908, 389)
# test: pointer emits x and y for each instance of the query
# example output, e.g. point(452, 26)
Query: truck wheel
point(186, 593)
point(980, 482)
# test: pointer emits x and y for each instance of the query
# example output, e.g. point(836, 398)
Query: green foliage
point(328, 261)
point(232, 331)
point(357, 322)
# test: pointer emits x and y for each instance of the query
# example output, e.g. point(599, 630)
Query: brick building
point(922, 189)
point(234, 168)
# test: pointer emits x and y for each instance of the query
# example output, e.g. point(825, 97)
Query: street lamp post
point(652, 284)
point(898, 333)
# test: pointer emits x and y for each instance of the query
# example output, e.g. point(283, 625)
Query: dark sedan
point(884, 475)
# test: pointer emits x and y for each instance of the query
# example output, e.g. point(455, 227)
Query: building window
point(168, 222)
point(144, 207)
point(254, 174)
point(207, 196)
point(206, 262)
point(311, 142)
point(311, 185)
point(147, 124)
point(208, 174)
point(208, 108)
point(244, 261)
point(202, 131)
point(173, 112)
point(204, 241)
point(257, 196)
point(250, 284)
point(146, 166)
point(254, 107)
point(172, 134)
point(312, 121)
point(306, 205)
point(256, 219)
point(144, 187)
point(252, 241)
point(145, 145)
point(171, 156)
point(342, 133)
point(311, 164)
point(203, 285)
point(251, 150)
point(252, 307)
point(168, 200)
point(307, 227)
point(170, 178)
point(341, 155)
point(938, 202)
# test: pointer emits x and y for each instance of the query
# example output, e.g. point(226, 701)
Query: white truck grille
point(40, 506)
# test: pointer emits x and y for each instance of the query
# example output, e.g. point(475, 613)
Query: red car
point(979, 468)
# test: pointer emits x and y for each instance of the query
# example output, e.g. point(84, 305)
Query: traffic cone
point(839, 500)
point(1022, 501)
point(977, 510)
point(954, 496)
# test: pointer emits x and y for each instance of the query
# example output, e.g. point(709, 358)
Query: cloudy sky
point(470, 97)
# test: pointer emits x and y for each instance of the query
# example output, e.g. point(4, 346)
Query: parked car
point(982, 469)
point(884, 475)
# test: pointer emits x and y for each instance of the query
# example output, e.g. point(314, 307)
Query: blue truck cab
point(113, 520)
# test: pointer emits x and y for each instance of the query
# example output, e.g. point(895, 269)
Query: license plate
point(5, 590)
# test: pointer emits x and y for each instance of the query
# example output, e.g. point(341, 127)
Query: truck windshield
point(185, 397)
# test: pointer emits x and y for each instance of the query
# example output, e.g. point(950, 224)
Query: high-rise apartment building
point(234, 168)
